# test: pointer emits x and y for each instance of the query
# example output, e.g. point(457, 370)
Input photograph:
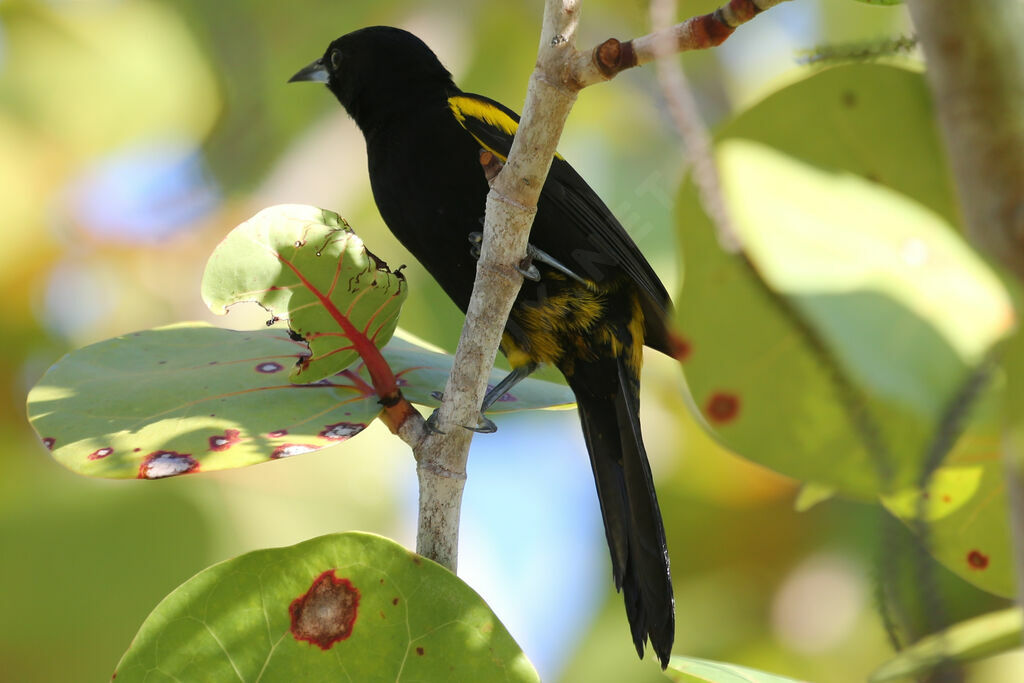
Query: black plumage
point(423, 139)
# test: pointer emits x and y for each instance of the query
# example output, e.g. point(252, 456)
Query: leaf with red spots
point(966, 509)
point(195, 398)
point(307, 267)
point(325, 610)
point(854, 271)
point(970, 640)
point(694, 670)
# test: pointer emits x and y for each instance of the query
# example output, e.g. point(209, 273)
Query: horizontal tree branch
point(611, 57)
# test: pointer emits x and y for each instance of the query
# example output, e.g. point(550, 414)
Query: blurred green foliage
point(757, 583)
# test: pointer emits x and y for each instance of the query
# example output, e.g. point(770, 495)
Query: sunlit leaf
point(691, 669)
point(877, 279)
point(306, 266)
point(341, 607)
point(192, 397)
point(812, 494)
point(975, 638)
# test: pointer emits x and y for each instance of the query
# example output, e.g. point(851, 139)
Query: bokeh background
point(135, 133)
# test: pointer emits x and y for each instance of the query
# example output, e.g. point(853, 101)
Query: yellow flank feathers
point(570, 325)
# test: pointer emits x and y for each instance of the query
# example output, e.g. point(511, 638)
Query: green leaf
point(969, 640)
point(879, 280)
point(351, 606)
point(687, 669)
point(306, 266)
point(965, 505)
point(193, 397)
point(812, 494)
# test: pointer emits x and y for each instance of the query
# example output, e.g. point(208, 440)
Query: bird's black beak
point(315, 72)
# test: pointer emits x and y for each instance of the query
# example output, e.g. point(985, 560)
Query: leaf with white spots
point(192, 397)
point(350, 607)
point(307, 267)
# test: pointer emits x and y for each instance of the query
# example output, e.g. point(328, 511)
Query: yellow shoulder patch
point(468, 107)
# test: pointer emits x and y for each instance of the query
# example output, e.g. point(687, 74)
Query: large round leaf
point(351, 607)
point(843, 336)
point(306, 266)
point(193, 397)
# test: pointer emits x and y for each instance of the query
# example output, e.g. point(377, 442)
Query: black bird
point(594, 306)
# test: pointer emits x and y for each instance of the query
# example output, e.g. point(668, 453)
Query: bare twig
point(560, 73)
point(683, 107)
point(975, 64)
point(697, 33)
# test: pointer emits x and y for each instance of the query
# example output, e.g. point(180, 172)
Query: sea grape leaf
point(307, 267)
point(350, 606)
point(842, 258)
point(694, 670)
point(965, 504)
point(193, 397)
point(975, 638)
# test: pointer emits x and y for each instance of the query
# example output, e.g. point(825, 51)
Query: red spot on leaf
point(100, 453)
point(342, 430)
point(269, 368)
point(161, 464)
point(382, 615)
point(222, 442)
point(679, 346)
point(947, 498)
point(326, 613)
point(419, 651)
point(722, 407)
point(48, 441)
point(394, 601)
point(289, 449)
point(977, 560)
point(277, 433)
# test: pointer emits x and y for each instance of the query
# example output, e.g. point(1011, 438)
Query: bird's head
point(377, 70)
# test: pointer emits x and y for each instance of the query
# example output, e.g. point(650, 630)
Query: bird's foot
point(431, 423)
point(483, 425)
point(526, 267)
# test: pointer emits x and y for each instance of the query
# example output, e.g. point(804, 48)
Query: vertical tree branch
point(975, 60)
point(561, 72)
point(511, 205)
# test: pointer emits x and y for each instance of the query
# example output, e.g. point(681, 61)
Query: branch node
point(512, 202)
point(613, 56)
point(491, 164)
point(438, 470)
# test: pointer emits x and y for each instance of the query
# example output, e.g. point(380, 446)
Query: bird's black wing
point(574, 225)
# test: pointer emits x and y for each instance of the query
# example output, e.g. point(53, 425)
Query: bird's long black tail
point(607, 394)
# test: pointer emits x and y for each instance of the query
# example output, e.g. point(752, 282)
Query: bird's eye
point(335, 59)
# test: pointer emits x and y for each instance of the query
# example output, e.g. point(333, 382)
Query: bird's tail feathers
point(632, 519)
